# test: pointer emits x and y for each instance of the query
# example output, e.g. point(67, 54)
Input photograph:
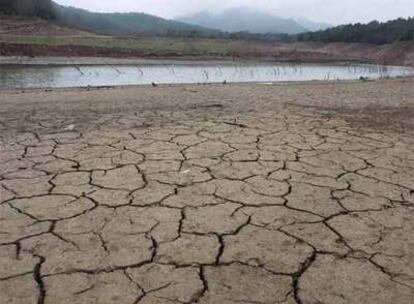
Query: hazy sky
point(333, 11)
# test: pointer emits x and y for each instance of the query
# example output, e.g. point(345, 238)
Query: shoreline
point(174, 85)
point(401, 54)
point(365, 101)
point(91, 61)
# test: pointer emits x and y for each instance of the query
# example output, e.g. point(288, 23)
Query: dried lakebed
point(298, 193)
point(66, 75)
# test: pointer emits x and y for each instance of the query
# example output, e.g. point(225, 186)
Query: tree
point(373, 32)
point(37, 8)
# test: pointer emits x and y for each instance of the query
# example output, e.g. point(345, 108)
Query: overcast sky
point(332, 11)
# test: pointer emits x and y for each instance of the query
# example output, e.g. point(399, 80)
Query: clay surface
point(208, 194)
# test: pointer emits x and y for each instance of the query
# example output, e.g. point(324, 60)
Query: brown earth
point(393, 54)
point(15, 25)
point(291, 193)
point(401, 53)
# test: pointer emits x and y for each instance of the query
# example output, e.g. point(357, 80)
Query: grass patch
point(157, 45)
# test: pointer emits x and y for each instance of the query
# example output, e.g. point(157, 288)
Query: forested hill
point(35, 8)
point(126, 23)
point(102, 23)
point(374, 32)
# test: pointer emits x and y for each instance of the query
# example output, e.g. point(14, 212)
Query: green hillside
point(374, 32)
point(125, 23)
point(37, 8)
point(102, 23)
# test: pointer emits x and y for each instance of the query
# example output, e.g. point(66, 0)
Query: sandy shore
point(288, 193)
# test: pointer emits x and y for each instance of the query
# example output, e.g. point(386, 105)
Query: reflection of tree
point(21, 76)
point(3, 77)
point(26, 76)
point(12, 76)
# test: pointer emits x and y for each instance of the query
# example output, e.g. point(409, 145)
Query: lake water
point(44, 76)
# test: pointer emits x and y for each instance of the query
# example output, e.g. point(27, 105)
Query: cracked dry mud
point(208, 194)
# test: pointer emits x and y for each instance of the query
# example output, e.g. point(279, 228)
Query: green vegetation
point(124, 24)
point(103, 23)
point(159, 46)
point(36, 8)
point(374, 32)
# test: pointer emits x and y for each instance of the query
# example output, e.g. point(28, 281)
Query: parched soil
point(290, 193)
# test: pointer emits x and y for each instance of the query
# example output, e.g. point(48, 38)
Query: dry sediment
point(294, 193)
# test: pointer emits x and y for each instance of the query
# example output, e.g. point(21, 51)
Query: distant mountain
point(311, 25)
point(102, 23)
point(126, 23)
point(244, 19)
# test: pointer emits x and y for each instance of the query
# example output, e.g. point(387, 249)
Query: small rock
point(69, 128)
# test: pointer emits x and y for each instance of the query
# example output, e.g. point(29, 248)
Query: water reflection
point(24, 76)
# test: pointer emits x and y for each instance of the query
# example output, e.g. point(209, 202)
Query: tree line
point(374, 32)
point(39, 8)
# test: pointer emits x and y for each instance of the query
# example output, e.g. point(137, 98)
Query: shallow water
point(43, 76)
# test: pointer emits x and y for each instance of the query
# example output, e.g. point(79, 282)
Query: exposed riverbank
point(388, 103)
point(206, 50)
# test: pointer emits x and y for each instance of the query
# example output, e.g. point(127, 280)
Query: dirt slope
point(15, 25)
